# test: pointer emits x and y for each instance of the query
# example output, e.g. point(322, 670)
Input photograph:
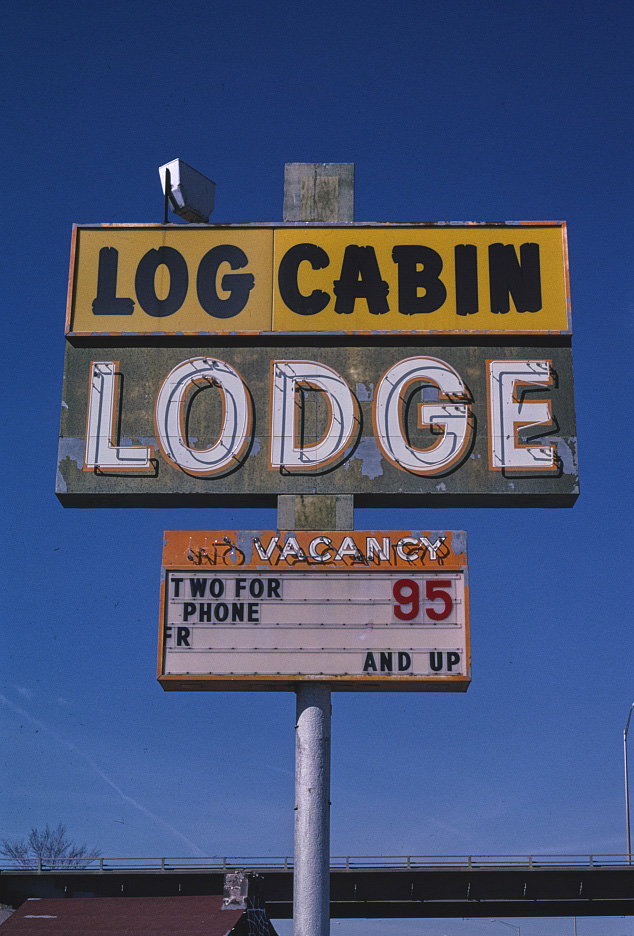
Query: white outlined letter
point(452, 419)
point(288, 380)
point(171, 409)
point(509, 412)
point(102, 452)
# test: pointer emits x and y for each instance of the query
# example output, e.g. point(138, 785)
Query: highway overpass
point(362, 887)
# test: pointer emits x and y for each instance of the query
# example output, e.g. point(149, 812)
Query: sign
point(435, 424)
point(141, 280)
point(357, 609)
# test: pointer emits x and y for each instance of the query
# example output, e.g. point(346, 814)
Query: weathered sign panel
point(434, 424)
point(357, 609)
point(362, 279)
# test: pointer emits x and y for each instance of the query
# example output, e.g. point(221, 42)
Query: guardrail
point(337, 863)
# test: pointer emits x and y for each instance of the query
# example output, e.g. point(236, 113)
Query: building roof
point(125, 916)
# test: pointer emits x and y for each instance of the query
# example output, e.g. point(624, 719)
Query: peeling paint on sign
point(445, 424)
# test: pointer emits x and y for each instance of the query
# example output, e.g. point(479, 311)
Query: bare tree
point(49, 848)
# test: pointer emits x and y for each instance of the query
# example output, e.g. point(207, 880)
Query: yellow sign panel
point(421, 279)
point(170, 280)
point(361, 279)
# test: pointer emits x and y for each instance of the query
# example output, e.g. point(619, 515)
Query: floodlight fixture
point(189, 193)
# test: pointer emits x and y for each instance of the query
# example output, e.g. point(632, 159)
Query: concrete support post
point(314, 192)
point(311, 893)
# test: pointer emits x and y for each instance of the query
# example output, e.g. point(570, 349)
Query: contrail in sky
point(124, 796)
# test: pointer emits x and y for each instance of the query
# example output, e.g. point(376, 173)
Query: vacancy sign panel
point(358, 610)
point(200, 280)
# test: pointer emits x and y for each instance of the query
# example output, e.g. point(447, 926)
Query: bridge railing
point(337, 863)
point(477, 861)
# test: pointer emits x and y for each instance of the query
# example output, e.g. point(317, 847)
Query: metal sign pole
point(314, 192)
point(311, 877)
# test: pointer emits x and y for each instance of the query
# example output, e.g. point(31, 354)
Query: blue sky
point(455, 111)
